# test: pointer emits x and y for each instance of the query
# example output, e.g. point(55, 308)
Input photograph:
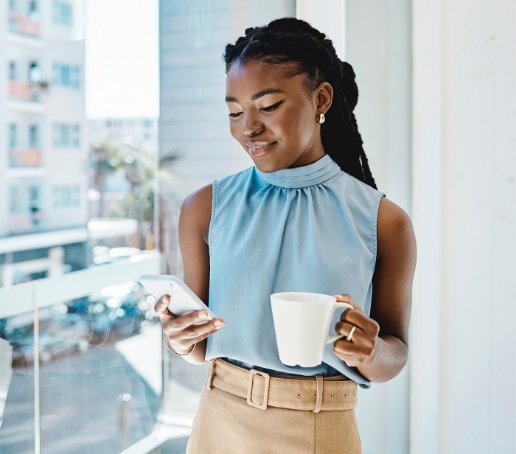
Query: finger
point(188, 320)
point(344, 347)
point(345, 328)
point(194, 333)
point(365, 323)
point(351, 360)
point(345, 298)
point(161, 307)
point(206, 334)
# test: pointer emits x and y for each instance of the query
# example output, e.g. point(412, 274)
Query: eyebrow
point(260, 94)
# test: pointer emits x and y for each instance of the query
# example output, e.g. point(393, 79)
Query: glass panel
point(100, 381)
point(17, 379)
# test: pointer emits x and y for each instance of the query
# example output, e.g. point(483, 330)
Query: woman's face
point(272, 116)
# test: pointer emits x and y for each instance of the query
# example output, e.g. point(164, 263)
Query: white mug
point(302, 323)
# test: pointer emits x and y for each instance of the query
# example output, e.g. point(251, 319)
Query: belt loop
point(209, 379)
point(319, 393)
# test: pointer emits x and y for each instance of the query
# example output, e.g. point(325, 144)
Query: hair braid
point(302, 49)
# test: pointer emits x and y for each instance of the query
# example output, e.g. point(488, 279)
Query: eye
point(236, 114)
point(274, 106)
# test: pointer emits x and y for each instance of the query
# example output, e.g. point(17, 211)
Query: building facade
point(118, 129)
point(43, 145)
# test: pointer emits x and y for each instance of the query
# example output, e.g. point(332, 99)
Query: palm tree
point(106, 159)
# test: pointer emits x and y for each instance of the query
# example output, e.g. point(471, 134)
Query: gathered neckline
point(318, 172)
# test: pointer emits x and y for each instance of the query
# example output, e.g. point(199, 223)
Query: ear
point(324, 97)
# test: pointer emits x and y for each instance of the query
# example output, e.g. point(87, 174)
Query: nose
point(250, 125)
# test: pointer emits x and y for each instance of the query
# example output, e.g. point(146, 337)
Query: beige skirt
point(251, 412)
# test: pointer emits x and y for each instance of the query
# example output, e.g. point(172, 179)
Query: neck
point(313, 154)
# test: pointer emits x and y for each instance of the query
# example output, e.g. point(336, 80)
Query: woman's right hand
point(181, 331)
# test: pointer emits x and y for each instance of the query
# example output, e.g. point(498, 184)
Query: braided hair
point(301, 49)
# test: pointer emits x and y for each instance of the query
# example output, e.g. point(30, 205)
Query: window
point(12, 70)
point(34, 195)
point(12, 5)
point(33, 136)
point(66, 197)
point(33, 10)
point(14, 200)
point(12, 135)
point(65, 136)
point(62, 13)
point(148, 122)
point(65, 75)
point(34, 73)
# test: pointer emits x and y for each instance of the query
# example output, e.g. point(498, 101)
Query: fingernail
point(203, 314)
point(218, 324)
point(166, 299)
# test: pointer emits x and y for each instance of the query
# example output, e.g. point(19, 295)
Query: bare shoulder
point(395, 229)
point(196, 210)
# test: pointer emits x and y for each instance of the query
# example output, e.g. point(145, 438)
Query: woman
point(306, 217)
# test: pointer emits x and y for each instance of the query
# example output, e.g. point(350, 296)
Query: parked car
point(58, 337)
point(115, 317)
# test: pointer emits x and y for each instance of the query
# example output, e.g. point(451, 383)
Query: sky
point(122, 58)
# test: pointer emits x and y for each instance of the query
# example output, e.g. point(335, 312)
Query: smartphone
point(182, 299)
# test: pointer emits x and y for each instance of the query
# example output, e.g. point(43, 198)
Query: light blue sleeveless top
point(311, 229)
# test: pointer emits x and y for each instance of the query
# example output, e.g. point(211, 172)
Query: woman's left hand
point(362, 346)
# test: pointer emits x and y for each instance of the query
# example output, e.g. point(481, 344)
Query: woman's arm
point(194, 223)
point(379, 346)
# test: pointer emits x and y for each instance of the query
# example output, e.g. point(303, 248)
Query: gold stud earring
point(321, 119)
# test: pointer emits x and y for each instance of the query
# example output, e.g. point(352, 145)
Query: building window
point(65, 75)
point(33, 11)
point(34, 73)
point(13, 135)
point(12, 5)
point(15, 205)
point(62, 13)
point(12, 70)
point(33, 136)
point(65, 136)
point(66, 197)
point(148, 123)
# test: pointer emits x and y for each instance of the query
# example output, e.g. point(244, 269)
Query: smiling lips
point(259, 148)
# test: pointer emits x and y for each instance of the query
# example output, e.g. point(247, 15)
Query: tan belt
point(296, 393)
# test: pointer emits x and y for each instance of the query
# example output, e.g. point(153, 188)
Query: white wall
point(457, 179)
point(465, 87)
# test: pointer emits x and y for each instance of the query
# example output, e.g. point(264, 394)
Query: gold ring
point(350, 335)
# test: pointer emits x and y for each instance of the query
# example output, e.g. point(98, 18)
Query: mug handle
point(332, 339)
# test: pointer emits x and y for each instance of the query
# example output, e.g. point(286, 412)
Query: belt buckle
point(267, 378)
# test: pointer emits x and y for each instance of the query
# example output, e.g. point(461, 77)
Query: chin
point(267, 166)
point(269, 162)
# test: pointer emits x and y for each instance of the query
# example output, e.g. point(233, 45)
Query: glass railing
point(83, 369)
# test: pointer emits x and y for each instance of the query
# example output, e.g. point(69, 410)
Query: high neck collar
point(300, 177)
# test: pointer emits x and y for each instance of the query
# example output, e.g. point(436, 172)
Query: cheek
point(233, 129)
point(298, 126)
